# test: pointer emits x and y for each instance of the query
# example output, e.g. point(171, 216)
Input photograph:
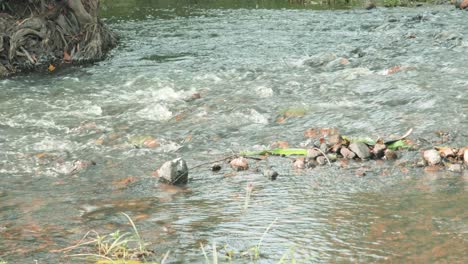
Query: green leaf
point(400, 144)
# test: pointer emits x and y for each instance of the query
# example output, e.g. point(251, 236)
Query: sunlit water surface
point(249, 66)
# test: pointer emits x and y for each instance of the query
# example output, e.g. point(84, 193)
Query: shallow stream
point(368, 73)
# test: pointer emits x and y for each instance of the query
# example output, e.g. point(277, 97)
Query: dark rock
point(216, 167)
point(432, 157)
point(390, 154)
point(174, 172)
point(270, 174)
point(348, 154)
point(379, 150)
point(361, 150)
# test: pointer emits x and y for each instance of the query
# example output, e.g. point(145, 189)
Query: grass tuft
point(114, 248)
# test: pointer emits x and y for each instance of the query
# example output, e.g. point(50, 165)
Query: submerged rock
point(174, 172)
point(454, 167)
point(432, 157)
point(270, 174)
point(361, 150)
point(390, 155)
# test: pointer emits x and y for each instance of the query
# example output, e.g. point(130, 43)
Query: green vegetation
point(114, 248)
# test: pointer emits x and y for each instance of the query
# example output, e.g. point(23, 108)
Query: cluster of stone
point(454, 159)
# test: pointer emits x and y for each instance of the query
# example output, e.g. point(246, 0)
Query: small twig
point(325, 155)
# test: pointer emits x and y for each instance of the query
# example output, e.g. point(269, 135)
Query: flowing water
point(137, 109)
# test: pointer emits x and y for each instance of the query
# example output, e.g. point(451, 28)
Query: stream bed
point(80, 145)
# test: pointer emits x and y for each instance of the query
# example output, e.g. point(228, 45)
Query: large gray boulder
point(174, 172)
point(361, 150)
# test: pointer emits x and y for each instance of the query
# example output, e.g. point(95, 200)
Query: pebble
point(432, 157)
point(455, 167)
point(216, 167)
point(390, 155)
point(239, 164)
point(299, 164)
point(313, 153)
point(347, 153)
point(379, 150)
point(270, 174)
point(174, 172)
point(321, 160)
point(361, 150)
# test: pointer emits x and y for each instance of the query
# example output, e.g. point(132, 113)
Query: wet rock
point(346, 153)
point(379, 150)
point(174, 172)
point(311, 164)
point(432, 157)
point(336, 148)
point(239, 164)
point(446, 152)
point(454, 167)
point(313, 154)
point(216, 167)
point(361, 150)
point(270, 174)
point(299, 163)
point(390, 155)
point(369, 5)
point(321, 160)
point(465, 156)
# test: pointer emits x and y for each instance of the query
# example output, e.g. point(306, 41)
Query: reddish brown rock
point(464, 4)
point(239, 164)
point(345, 152)
point(299, 163)
point(447, 152)
point(465, 156)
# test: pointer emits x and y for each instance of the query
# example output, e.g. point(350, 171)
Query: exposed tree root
point(37, 33)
